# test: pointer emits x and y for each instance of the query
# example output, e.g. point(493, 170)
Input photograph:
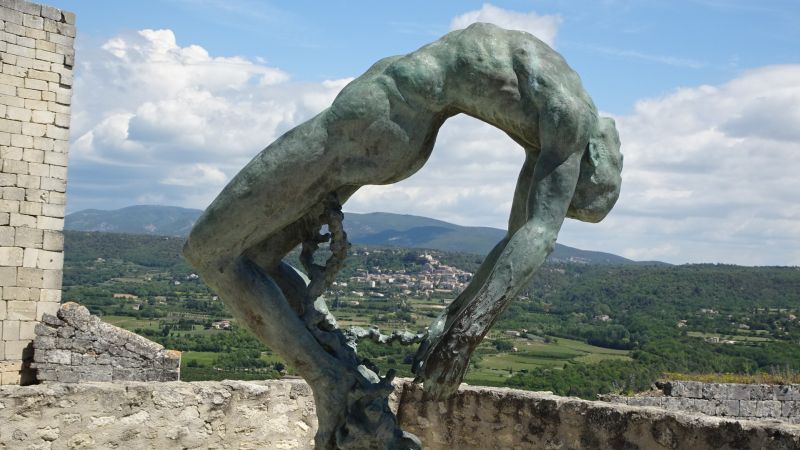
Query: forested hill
point(381, 229)
point(688, 319)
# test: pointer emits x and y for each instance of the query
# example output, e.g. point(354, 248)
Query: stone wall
point(174, 415)
point(75, 347)
point(280, 415)
point(36, 54)
point(742, 401)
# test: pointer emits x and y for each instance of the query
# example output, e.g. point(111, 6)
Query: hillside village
point(434, 277)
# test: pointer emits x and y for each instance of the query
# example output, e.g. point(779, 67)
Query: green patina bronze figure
point(381, 129)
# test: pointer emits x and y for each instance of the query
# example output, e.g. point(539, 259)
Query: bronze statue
point(381, 129)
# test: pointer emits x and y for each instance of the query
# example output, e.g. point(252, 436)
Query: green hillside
point(380, 229)
point(578, 329)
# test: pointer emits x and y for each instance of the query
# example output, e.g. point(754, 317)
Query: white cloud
point(711, 174)
point(190, 118)
point(710, 171)
point(542, 26)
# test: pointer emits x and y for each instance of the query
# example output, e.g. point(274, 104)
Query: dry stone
point(75, 346)
point(743, 401)
point(280, 414)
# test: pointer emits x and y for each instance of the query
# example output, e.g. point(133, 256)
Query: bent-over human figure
point(381, 129)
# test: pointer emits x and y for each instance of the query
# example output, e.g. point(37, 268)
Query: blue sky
point(706, 94)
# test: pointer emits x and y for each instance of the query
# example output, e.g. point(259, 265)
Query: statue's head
point(599, 183)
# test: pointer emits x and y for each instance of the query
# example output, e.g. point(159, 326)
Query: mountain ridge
point(378, 228)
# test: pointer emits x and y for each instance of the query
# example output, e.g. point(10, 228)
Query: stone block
point(25, 41)
point(32, 21)
point(29, 277)
point(28, 181)
point(11, 256)
point(58, 172)
point(49, 12)
point(5, 218)
point(43, 143)
point(6, 237)
point(22, 220)
point(55, 158)
point(37, 35)
point(10, 377)
point(29, 238)
point(9, 206)
point(729, 408)
point(37, 195)
point(30, 208)
point(50, 260)
point(68, 375)
point(785, 392)
point(27, 328)
point(34, 129)
point(43, 117)
point(33, 83)
point(7, 179)
point(49, 223)
point(763, 392)
point(13, 193)
point(43, 307)
point(39, 169)
point(17, 113)
point(50, 295)
point(10, 15)
point(60, 357)
point(21, 310)
point(11, 154)
point(10, 165)
point(18, 349)
point(97, 373)
point(790, 408)
point(19, 50)
point(16, 293)
point(52, 279)
point(53, 240)
point(30, 257)
point(32, 94)
point(52, 320)
point(53, 184)
point(768, 408)
point(10, 330)
point(42, 330)
point(748, 408)
point(2, 315)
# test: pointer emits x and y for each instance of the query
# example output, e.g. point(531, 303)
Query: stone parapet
point(279, 414)
point(76, 347)
point(777, 402)
point(37, 57)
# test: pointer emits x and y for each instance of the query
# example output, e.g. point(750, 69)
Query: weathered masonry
point(37, 56)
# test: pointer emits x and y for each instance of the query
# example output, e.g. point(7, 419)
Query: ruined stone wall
point(741, 401)
point(280, 415)
point(37, 56)
point(75, 347)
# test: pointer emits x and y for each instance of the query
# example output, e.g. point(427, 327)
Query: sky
point(173, 97)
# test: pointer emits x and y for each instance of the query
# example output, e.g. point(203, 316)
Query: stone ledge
point(279, 414)
point(498, 418)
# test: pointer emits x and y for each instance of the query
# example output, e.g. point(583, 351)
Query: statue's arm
point(446, 355)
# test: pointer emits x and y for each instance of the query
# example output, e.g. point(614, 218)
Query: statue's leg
point(268, 297)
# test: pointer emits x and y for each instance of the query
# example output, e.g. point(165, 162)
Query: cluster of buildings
point(434, 277)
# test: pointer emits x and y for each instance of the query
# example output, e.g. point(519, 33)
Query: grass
point(758, 378)
point(131, 323)
point(494, 369)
